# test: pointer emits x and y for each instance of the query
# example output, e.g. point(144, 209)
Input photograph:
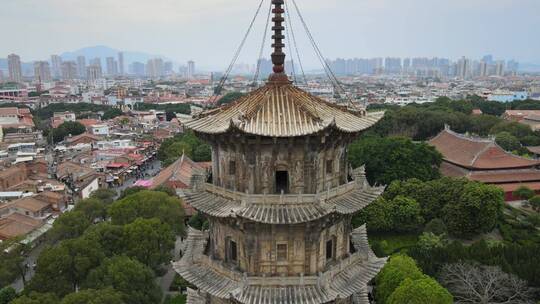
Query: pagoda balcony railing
point(323, 277)
point(247, 198)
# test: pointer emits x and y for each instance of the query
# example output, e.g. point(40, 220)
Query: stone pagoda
point(281, 199)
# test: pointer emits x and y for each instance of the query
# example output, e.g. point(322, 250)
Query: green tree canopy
point(149, 204)
point(230, 97)
point(112, 113)
point(397, 214)
point(507, 141)
point(436, 226)
point(12, 262)
point(420, 291)
point(7, 294)
point(110, 237)
point(466, 207)
point(395, 158)
point(406, 214)
point(134, 280)
point(68, 263)
point(535, 203)
point(105, 195)
point(94, 209)
point(198, 221)
point(476, 211)
point(429, 240)
point(131, 190)
point(202, 153)
point(70, 225)
point(523, 192)
point(399, 268)
point(513, 128)
point(171, 149)
point(72, 128)
point(150, 241)
point(37, 298)
point(93, 296)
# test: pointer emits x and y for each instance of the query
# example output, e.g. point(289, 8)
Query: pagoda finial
point(278, 57)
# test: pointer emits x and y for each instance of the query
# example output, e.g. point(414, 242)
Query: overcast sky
point(208, 31)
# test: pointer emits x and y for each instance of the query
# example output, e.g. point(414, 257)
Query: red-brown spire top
point(278, 57)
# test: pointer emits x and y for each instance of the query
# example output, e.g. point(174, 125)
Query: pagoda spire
point(278, 56)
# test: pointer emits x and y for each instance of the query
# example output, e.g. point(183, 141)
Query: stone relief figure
point(265, 172)
point(298, 173)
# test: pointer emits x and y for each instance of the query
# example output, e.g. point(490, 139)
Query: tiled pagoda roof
point(282, 110)
point(282, 209)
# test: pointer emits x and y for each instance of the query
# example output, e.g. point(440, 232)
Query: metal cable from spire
point(329, 73)
point(290, 44)
point(217, 91)
point(261, 51)
point(290, 25)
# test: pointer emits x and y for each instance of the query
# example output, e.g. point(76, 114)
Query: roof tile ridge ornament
point(278, 77)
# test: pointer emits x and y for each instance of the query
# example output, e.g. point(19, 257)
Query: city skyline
point(64, 68)
point(366, 28)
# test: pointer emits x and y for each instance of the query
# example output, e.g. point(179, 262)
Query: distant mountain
point(103, 52)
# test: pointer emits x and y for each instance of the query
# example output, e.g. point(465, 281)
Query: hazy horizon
point(209, 31)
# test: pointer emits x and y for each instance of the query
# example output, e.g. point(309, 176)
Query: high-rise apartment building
point(191, 69)
point(42, 72)
point(512, 66)
point(392, 65)
point(56, 65)
point(463, 68)
point(154, 68)
point(93, 72)
point(81, 66)
point(499, 68)
point(483, 69)
point(15, 69)
point(1, 76)
point(69, 70)
point(406, 64)
point(121, 63)
point(136, 68)
point(488, 59)
point(96, 61)
point(168, 67)
point(112, 66)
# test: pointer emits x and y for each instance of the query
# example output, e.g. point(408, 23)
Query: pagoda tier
point(282, 110)
point(344, 280)
point(283, 209)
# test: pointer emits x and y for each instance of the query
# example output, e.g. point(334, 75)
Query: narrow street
point(30, 260)
point(165, 281)
point(152, 170)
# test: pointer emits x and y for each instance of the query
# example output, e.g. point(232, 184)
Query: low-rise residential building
point(518, 115)
point(61, 117)
point(506, 96)
point(16, 118)
point(81, 180)
point(100, 129)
